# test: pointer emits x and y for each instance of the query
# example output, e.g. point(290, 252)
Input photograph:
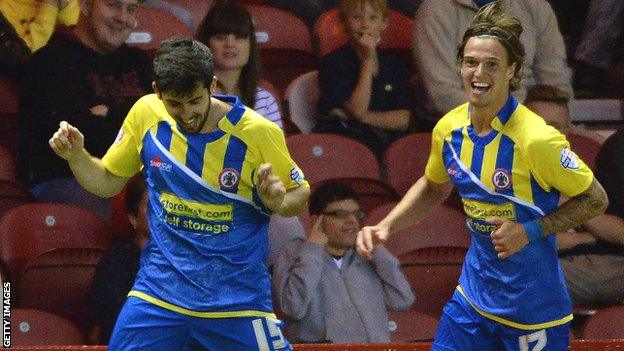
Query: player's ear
point(155, 88)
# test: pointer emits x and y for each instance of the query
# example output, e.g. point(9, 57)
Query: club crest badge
point(229, 178)
point(501, 179)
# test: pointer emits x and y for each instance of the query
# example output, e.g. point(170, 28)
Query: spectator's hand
point(270, 187)
point(316, 234)
point(67, 141)
point(509, 238)
point(368, 238)
point(99, 110)
point(367, 45)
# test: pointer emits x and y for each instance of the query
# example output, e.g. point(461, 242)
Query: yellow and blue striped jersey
point(518, 172)
point(209, 240)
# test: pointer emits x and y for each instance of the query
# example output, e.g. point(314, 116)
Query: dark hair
point(547, 93)
point(231, 18)
point(135, 190)
point(181, 64)
point(328, 192)
point(491, 20)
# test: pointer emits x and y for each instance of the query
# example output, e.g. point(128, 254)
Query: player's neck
point(482, 117)
point(218, 110)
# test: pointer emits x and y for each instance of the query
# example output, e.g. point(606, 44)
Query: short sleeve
point(435, 170)
point(123, 157)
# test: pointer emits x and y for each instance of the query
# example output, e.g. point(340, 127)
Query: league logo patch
point(501, 179)
point(569, 159)
point(229, 178)
point(296, 175)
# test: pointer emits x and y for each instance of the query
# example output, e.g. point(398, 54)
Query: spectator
point(438, 29)
point(591, 257)
point(328, 292)
point(116, 271)
point(229, 33)
point(594, 53)
point(87, 76)
point(28, 24)
point(364, 91)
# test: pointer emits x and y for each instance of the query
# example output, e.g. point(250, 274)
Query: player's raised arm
point(68, 143)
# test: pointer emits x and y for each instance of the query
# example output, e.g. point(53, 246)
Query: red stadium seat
point(330, 33)
point(443, 227)
point(302, 95)
point(9, 128)
point(405, 160)
point(433, 274)
point(154, 26)
point(606, 323)
point(13, 194)
point(34, 327)
point(585, 147)
point(326, 156)
point(29, 230)
point(197, 8)
point(285, 45)
point(411, 326)
point(58, 281)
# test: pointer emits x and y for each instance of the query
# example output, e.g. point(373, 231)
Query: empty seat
point(197, 8)
point(13, 194)
point(444, 226)
point(154, 26)
point(58, 281)
point(325, 156)
point(285, 45)
point(29, 230)
point(411, 326)
point(331, 35)
point(9, 128)
point(34, 327)
point(433, 274)
point(405, 160)
point(606, 323)
point(585, 147)
point(302, 95)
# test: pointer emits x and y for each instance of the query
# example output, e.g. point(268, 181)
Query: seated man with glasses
point(326, 291)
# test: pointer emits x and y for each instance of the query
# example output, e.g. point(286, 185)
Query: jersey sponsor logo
point(501, 179)
point(157, 162)
point(296, 175)
point(454, 171)
point(198, 217)
point(569, 159)
point(229, 178)
point(482, 210)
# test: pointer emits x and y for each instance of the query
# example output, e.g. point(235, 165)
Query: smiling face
point(190, 111)
point(486, 72)
point(364, 19)
point(341, 232)
point(230, 51)
point(108, 23)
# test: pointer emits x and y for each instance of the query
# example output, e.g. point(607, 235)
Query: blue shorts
point(462, 328)
point(144, 326)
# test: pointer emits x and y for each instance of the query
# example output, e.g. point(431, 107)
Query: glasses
point(342, 214)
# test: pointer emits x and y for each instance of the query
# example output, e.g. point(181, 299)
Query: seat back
point(154, 26)
point(330, 33)
point(405, 160)
point(29, 230)
point(13, 194)
point(443, 227)
point(433, 275)
point(326, 156)
point(302, 95)
point(58, 281)
point(606, 323)
point(585, 147)
point(285, 45)
point(197, 8)
point(34, 327)
point(411, 326)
